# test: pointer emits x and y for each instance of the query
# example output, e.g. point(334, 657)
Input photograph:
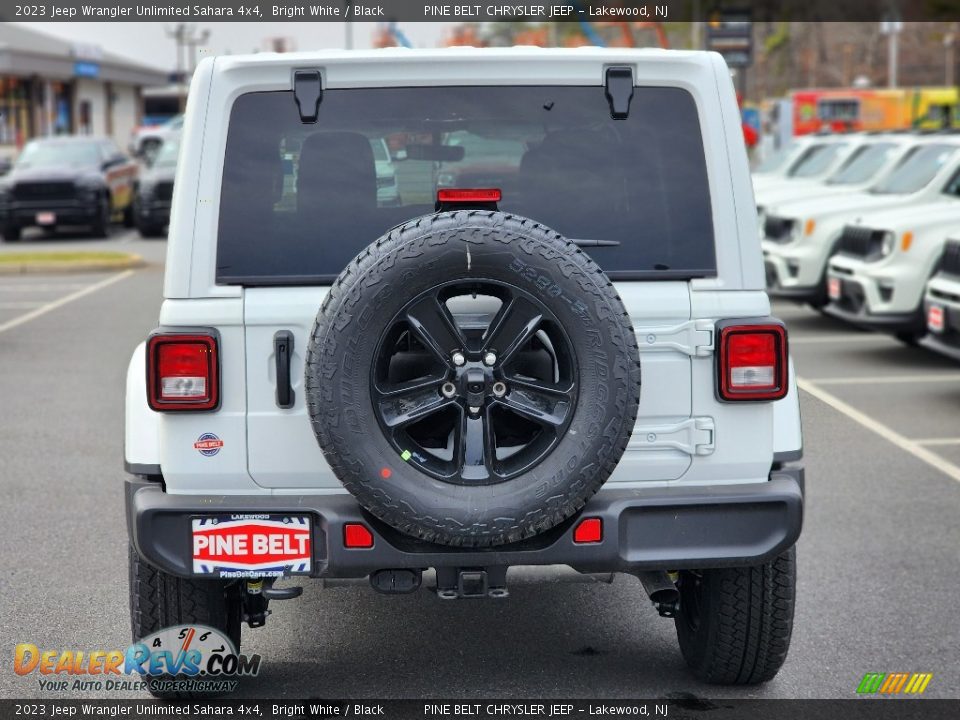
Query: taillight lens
point(753, 362)
point(182, 372)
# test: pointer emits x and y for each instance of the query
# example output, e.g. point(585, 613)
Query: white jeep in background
point(871, 158)
point(942, 304)
point(573, 364)
point(799, 238)
point(807, 159)
point(883, 262)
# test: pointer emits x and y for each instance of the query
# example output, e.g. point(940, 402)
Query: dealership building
point(50, 86)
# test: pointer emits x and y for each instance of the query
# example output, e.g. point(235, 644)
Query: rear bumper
point(648, 529)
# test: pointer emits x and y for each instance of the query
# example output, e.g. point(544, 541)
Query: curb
point(74, 266)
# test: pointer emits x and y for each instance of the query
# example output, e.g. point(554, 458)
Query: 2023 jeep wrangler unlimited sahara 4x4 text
point(451, 382)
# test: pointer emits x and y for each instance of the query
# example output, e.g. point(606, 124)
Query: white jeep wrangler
point(441, 388)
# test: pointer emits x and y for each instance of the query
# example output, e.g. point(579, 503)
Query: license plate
point(252, 545)
point(46, 218)
point(935, 318)
point(834, 288)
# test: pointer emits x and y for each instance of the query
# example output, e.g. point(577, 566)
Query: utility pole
point(178, 34)
point(949, 42)
point(891, 28)
point(192, 42)
point(187, 41)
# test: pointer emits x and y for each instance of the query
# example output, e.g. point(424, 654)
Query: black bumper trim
point(151, 471)
point(644, 529)
point(889, 323)
point(788, 456)
point(934, 342)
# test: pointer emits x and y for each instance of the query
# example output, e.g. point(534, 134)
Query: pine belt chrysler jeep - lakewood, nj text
point(569, 361)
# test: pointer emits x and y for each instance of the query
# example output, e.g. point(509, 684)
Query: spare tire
point(472, 378)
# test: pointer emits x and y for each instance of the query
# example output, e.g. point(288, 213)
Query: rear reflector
point(482, 195)
point(588, 530)
point(356, 535)
point(182, 372)
point(753, 362)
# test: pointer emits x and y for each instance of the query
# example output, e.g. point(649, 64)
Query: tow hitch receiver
point(455, 583)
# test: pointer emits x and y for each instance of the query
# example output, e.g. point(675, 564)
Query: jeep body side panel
point(141, 442)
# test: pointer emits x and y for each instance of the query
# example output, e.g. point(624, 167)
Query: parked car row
point(866, 228)
point(87, 181)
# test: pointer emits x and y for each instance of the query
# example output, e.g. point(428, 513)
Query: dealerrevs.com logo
point(182, 658)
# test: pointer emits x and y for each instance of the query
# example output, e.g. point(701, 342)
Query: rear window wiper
point(596, 243)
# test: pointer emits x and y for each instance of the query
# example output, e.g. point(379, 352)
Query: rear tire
point(159, 600)
point(734, 624)
point(11, 233)
point(101, 225)
point(149, 231)
point(129, 219)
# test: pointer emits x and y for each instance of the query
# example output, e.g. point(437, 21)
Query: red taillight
point(182, 372)
point(588, 530)
point(753, 362)
point(356, 535)
point(473, 195)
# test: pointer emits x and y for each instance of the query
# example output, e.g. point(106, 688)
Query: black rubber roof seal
point(619, 88)
point(308, 92)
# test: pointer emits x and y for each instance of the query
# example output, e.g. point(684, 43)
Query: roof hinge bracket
point(308, 92)
point(619, 89)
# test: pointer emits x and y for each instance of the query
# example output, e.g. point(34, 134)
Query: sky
point(148, 43)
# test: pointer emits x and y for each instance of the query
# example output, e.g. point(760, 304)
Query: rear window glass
point(299, 201)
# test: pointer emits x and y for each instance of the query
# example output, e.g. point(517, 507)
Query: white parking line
point(19, 305)
point(892, 436)
point(938, 441)
point(49, 307)
point(879, 379)
point(839, 338)
point(6, 286)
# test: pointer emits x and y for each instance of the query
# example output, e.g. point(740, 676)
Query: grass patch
point(16, 258)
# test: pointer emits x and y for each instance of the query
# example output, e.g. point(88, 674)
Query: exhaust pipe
point(661, 591)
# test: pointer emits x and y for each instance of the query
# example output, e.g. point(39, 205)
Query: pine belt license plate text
point(834, 288)
point(46, 218)
point(252, 545)
point(935, 318)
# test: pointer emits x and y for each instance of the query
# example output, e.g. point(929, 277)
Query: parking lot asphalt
point(878, 559)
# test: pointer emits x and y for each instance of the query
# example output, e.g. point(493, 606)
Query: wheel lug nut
point(490, 359)
point(499, 389)
point(459, 359)
point(448, 390)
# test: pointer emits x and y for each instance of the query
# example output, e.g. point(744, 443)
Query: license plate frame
point(834, 288)
point(936, 318)
point(251, 545)
point(46, 218)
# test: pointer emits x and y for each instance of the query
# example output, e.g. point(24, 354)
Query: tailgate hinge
point(693, 437)
point(694, 337)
